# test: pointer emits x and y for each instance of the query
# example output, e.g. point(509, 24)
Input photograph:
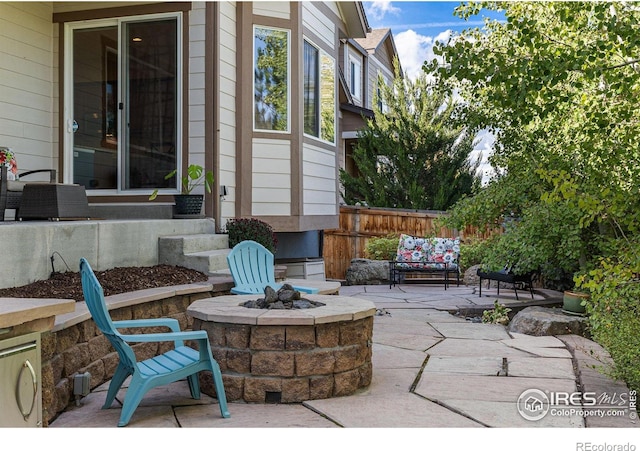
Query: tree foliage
point(411, 154)
point(558, 84)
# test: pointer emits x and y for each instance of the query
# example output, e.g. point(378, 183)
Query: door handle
point(72, 126)
point(34, 379)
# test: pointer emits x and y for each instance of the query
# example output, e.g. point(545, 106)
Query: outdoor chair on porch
point(178, 363)
point(252, 268)
point(12, 184)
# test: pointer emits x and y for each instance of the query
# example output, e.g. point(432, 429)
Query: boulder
point(363, 271)
point(541, 321)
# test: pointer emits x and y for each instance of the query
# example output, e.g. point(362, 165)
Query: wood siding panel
point(319, 24)
point(27, 82)
point(227, 86)
point(319, 181)
point(271, 156)
point(280, 10)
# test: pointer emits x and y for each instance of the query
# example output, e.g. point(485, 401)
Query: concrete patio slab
point(441, 386)
point(253, 416)
point(465, 347)
point(404, 410)
point(475, 331)
point(505, 415)
point(541, 367)
point(386, 357)
point(484, 366)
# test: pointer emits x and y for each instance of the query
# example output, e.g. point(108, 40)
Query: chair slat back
point(251, 265)
point(94, 298)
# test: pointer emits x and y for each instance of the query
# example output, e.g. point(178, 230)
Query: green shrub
point(382, 248)
point(242, 229)
point(474, 251)
point(614, 312)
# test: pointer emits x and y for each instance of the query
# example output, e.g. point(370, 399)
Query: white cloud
point(379, 9)
point(414, 49)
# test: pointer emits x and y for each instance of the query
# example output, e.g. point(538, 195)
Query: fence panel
point(358, 224)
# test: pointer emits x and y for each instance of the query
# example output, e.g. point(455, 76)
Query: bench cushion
point(428, 253)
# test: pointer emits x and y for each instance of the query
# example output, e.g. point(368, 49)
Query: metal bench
point(505, 275)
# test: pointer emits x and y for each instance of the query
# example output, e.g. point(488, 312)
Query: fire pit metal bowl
point(287, 355)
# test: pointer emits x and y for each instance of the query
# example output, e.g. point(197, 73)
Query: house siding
point(27, 83)
point(227, 126)
point(196, 124)
point(271, 177)
point(319, 181)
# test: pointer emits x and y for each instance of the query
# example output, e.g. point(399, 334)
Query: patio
point(431, 369)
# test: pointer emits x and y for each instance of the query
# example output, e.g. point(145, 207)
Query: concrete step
point(203, 252)
point(194, 243)
point(207, 261)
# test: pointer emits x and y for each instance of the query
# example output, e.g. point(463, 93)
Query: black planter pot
point(188, 205)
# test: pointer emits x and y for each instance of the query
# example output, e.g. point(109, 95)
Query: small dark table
point(53, 201)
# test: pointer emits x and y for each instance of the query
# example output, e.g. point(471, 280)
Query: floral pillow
point(8, 159)
point(428, 252)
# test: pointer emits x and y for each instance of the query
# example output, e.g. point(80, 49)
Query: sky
point(415, 27)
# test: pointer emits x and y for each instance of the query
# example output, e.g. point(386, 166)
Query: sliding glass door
point(123, 117)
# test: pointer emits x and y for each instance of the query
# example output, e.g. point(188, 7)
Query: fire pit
point(287, 355)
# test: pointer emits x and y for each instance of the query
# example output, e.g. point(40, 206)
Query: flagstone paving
point(431, 368)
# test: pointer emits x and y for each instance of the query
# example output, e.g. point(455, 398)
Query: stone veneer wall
point(290, 364)
point(82, 347)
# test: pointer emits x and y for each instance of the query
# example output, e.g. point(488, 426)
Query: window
point(271, 79)
point(123, 79)
point(319, 93)
point(355, 82)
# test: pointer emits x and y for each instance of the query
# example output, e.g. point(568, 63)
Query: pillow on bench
point(428, 253)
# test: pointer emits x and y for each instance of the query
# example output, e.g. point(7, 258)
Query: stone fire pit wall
point(287, 356)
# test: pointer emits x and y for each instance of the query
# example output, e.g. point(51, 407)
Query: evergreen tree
point(411, 154)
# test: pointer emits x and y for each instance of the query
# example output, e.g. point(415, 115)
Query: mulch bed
point(67, 285)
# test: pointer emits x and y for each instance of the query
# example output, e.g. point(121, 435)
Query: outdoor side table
point(53, 201)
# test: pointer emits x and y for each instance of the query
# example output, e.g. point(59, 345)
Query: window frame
point(353, 80)
point(287, 129)
point(320, 53)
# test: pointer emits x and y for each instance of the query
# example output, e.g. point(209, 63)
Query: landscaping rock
point(470, 277)
point(539, 321)
point(363, 271)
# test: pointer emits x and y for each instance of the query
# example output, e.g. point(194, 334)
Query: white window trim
point(353, 62)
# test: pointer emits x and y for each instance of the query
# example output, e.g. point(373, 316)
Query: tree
point(411, 155)
point(558, 85)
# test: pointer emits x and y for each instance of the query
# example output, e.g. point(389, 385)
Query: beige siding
point(318, 23)
point(280, 10)
point(27, 82)
point(197, 18)
point(227, 85)
point(271, 168)
point(65, 7)
point(319, 181)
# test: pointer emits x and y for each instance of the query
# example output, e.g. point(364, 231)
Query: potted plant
point(188, 204)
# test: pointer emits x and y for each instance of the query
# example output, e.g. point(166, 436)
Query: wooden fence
point(358, 224)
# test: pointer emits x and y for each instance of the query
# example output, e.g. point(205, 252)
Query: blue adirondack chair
point(252, 269)
point(178, 363)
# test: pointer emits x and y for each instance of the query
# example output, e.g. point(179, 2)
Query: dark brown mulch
point(67, 285)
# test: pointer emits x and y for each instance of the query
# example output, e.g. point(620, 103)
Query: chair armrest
point(151, 322)
point(177, 337)
point(307, 290)
point(52, 173)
